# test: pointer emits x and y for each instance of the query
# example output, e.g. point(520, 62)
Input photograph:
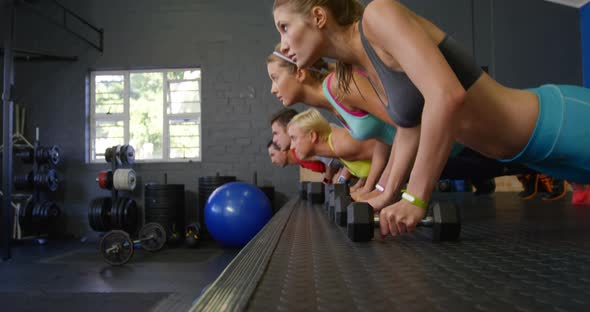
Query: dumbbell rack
point(114, 166)
point(122, 212)
point(38, 215)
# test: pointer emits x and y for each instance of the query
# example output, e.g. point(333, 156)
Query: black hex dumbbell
point(303, 189)
point(315, 192)
point(328, 189)
point(340, 211)
point(445, 222)
point(338, 190)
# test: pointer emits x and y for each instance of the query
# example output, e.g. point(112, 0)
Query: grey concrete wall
point(535, 42)
point(525, 43)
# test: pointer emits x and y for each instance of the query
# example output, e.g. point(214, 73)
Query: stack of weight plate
point(207, 185)
point(39, 218)
point(104, 216)
point(164, 204)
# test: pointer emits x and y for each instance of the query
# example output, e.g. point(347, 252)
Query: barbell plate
point(116, 247)
point(152, 236)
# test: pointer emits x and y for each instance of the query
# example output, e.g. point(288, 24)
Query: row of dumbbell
point(121, 154)
point(361, 222)
point(47, 180)
point(42, 155)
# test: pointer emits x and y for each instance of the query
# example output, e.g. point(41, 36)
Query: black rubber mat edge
point(232, 290)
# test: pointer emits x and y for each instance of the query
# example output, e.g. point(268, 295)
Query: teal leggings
point(560, 143)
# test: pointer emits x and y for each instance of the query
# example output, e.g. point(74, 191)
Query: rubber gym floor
point(513, 255)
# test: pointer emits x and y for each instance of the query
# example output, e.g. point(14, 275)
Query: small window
point(158, 112)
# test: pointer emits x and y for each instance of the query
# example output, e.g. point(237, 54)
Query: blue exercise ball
point(235, 212)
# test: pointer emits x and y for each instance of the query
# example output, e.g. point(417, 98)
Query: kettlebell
point(192, 235)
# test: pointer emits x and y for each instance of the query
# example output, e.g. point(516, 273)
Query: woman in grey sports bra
point(424, 78)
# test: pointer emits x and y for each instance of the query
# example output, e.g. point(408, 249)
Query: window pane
point(184, 74)
point(185, 97)
point(109, 90)
point(146, 114)
point(138, 108)
point(108, 133)
point(185, 138)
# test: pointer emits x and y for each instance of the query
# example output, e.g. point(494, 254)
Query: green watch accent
point(414, 200)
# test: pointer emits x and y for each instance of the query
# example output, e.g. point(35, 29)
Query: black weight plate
point(159, 218)
point(22, 182)
point(120, 212)
point(53, 212)
point(93, 221)
point(119, 153)
point(163, 187)
point(152, 236)
point(123, 154)
point(26, 155)
point(52, 180)
point(48, 217)
point(121, 217)
point(132, 216)
point(163, 202)
point(124, 213)
point(160, 211)
point(129, 154)
point(54, 155)
point(108, 154)
point(113, 215)
point(35, 218)
point(116, 247)
point(96, 214)
point(25, 217)
point(105, 213)
point(42, 227)
point(116, 214)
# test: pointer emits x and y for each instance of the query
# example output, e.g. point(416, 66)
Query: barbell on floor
point(117, 248)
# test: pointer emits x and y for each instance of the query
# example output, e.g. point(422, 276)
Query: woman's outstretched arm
point(398, 32)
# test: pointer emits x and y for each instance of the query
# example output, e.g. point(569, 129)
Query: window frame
point(125, 116)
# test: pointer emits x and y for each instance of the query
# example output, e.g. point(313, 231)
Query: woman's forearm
point(378, 162)
point(403, 155)
point(436, 141)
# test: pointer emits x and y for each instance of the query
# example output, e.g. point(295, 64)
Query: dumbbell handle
point(115, 247)
point(426, 222)
point(151, 236)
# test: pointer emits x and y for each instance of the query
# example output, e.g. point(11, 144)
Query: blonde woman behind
point(312, 135)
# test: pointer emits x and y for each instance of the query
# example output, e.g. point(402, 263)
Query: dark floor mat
point(140, 256)
point(524, 259)
point(87, 302)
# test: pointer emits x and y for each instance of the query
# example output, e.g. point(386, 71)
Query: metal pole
point(7, 105)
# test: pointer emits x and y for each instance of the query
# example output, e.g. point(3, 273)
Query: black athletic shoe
point(530, 184)
point(554, 188)
point(484, 187)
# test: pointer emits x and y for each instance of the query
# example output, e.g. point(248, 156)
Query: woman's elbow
point(455, 99)
point(451, 101)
